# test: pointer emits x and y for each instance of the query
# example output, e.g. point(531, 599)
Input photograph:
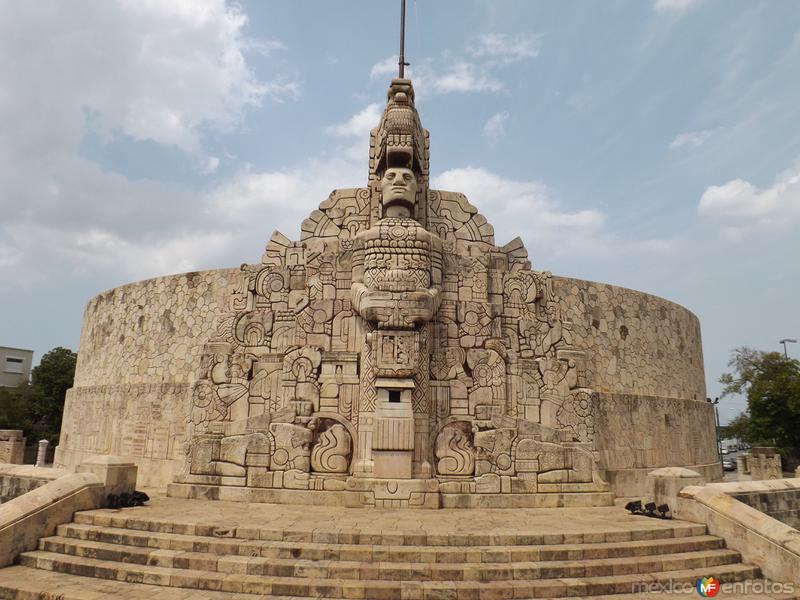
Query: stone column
point(765, 463)
point(118, 475)
point(741, 465)
point(41, 453)
point(664, 484)
point(12, 446)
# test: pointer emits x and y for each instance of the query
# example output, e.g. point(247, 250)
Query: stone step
point(386, 553)
point(392, 571)
point(641, 528)
point(25, 583)
point(387, 590)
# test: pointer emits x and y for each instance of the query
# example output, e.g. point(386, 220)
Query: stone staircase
point(131, 555)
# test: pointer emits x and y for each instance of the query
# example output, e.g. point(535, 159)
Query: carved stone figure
point(392, 349)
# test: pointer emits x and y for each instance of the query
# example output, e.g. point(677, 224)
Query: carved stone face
point(398, 191)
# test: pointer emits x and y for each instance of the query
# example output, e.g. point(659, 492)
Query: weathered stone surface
point(37, 513)
point(12, 446)
point(764, 463)
point(664, 485)
point(395, 340)
point(731, 510)
point(179, 546)
point(16, 480)
point(117, 475)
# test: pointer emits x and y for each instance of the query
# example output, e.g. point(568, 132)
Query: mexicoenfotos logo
point(707, 587)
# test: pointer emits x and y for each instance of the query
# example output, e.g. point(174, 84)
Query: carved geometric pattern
point(407, 294)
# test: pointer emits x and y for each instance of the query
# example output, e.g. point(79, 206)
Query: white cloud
point(359, 124)
point(495, 126)
point(167, 52)
point(91, 248)
point(528, 209)
point(443, 77)
point(517, 205)
point(460, 76)
point(9, 256)
point(506, 48)
point(384, 68)
point(470, 70)
point(162, 72)
point(692, 139)
point(263, 47)
point(741, 208)
point(251, 203)
point(209, 165)
point(674, 6)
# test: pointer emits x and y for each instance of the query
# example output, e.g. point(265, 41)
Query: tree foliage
point(37, 407)
point(771, 383)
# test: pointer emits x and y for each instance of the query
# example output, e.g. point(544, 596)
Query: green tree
point(738, 428)
point(12, 410)
point(771, 383)
point(37, 407)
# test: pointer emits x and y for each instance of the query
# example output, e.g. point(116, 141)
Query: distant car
point(724, 450)
point(728, 464)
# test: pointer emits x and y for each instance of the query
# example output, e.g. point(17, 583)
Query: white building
point(15, 366)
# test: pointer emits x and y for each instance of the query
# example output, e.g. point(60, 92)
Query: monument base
point(393, 493)
point(372, 492)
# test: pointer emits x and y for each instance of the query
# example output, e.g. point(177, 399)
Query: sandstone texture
point(394, 356)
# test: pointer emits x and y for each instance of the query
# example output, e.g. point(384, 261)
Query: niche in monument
point(393, 356)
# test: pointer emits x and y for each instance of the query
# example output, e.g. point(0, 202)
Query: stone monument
point(394, 355)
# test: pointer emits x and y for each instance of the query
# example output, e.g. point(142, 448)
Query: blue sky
point(653, 145)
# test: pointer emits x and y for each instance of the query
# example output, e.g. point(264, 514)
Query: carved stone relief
point(397, 338)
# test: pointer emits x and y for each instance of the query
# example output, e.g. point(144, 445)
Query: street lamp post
point(785, 341)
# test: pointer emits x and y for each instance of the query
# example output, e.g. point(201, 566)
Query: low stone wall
point(26, 519)
point(778, 498)
point(761, 539)
point(636, 434)
point(12, 446)
point(16, 480)
point(37, 513)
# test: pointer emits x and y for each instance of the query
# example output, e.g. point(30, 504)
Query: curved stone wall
point(141, 343)
point(139, 350)
point(636, 343)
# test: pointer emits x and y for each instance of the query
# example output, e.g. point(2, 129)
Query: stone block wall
point(139, 350)
point(783, 505)
point(16, 480)
point(141, 344)
point(637, 433)
point(764, 462)
point(12, 446)
point(636, 343)
point(151, 331)
point(755, 532)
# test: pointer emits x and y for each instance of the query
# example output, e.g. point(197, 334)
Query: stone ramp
point(268, 551)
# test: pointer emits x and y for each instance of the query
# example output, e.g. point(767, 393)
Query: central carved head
point(398, 192)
